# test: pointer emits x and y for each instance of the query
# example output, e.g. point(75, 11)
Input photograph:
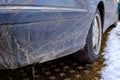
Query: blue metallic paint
point(30, 36)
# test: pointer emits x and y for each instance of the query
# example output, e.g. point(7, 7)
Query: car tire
point(91, 51)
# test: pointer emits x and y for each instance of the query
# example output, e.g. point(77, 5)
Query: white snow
point(111, 53)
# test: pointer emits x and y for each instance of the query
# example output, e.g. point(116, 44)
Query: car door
point(54, 9)
point(42, 28)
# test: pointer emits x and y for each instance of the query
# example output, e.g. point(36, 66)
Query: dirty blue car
point(36, 31)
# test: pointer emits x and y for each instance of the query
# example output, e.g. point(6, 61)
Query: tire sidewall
point(91, 53)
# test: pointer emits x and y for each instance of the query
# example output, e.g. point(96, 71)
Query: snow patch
point(111, 53)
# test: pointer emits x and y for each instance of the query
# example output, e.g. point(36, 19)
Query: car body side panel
point(62, 3)
point(38, 35)
point(26, 11)
point(25, 44)
point(31, 16)
point(35, 35)
point(111, 13)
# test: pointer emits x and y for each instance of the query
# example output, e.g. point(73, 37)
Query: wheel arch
point(102, 12)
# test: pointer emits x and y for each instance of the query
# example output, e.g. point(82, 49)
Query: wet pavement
point(65, 68)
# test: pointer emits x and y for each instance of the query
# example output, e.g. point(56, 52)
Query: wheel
point(92, 48)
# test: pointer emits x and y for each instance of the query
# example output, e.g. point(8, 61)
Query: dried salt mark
point(67, 79)
point(52, 77)
point(86, 71)
point(66, 67)
point(57, 70)
point(87, 65)
point(72, 71)
point(80, 67)
point(62, 74)
point(77, 75)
